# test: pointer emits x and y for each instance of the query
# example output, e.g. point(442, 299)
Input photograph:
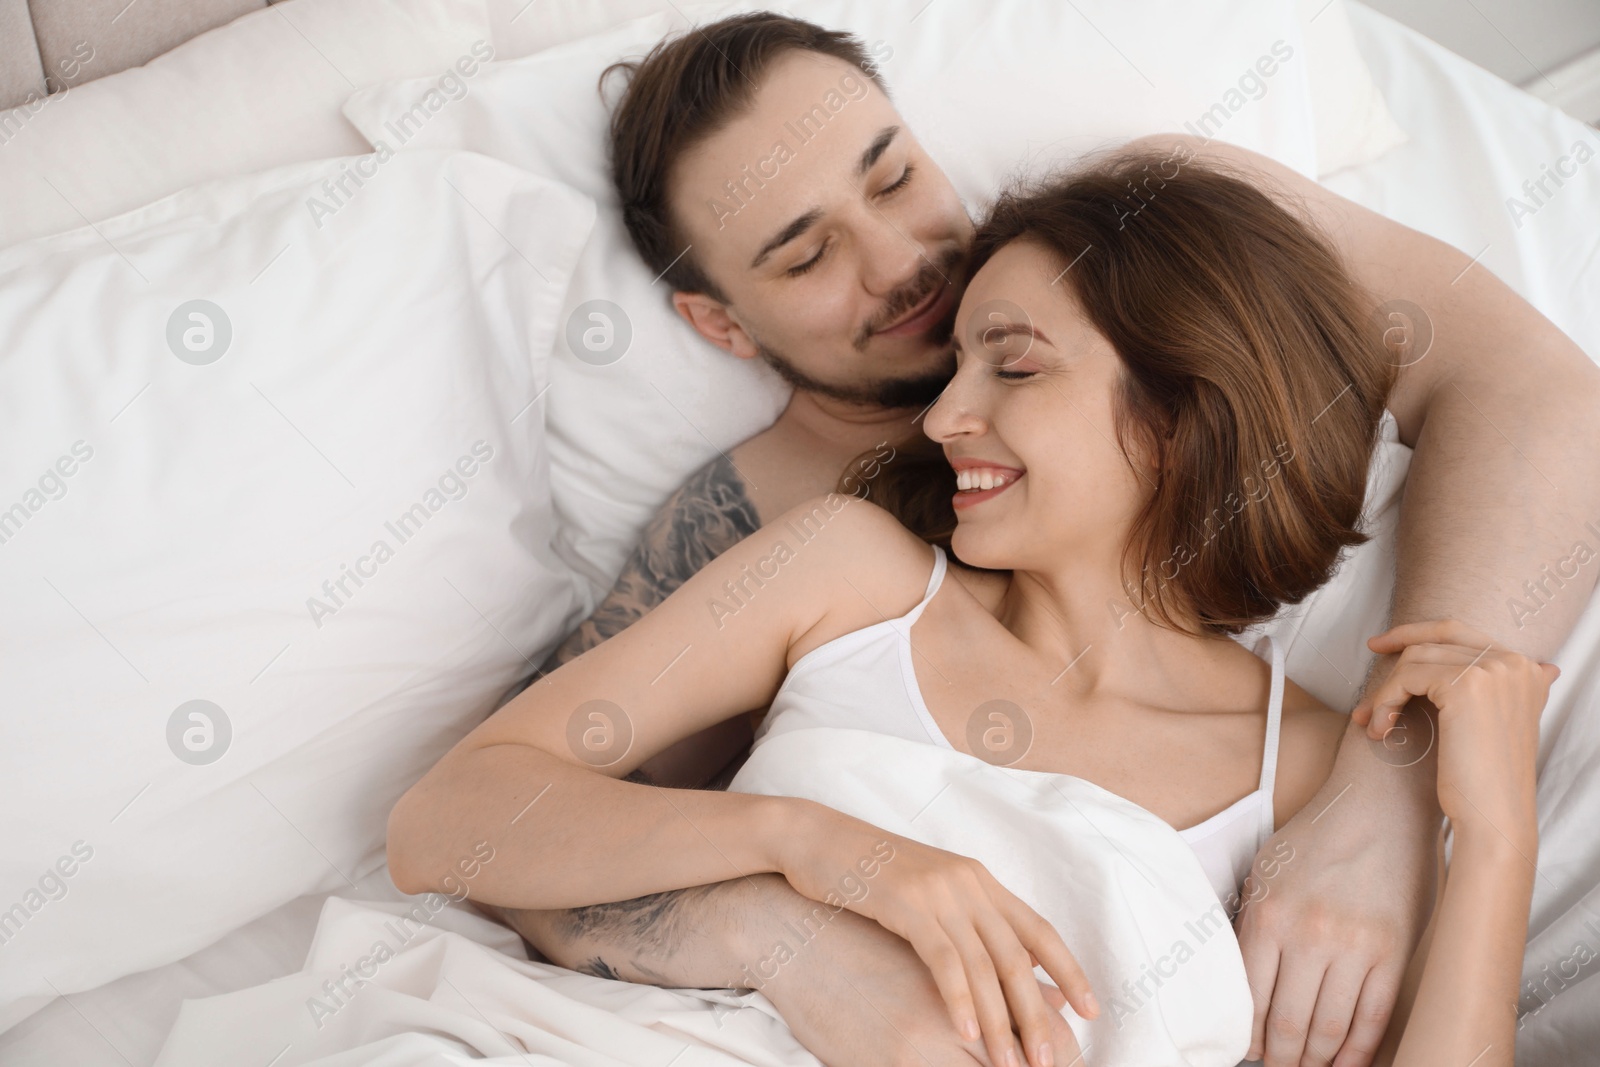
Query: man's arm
point(682, 938)
point(850, 991)
point(709, 514)
point(635, 939)
point(1500, 409)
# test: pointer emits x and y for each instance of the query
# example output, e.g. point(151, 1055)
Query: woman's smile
point(978, 484)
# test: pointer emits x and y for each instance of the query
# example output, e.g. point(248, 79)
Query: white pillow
point(521, 27)
point(167, 525)
point(259, 92)
point(625, 434)
point(1354, 125)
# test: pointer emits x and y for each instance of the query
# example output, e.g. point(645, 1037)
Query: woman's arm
point(540, 779)
point(1466, 1006)
point(1488, 700)
point(564, 836)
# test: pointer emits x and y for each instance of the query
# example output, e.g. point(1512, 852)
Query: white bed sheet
point(1474, 140)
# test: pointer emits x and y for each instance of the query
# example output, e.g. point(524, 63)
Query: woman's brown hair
point(1250, 370)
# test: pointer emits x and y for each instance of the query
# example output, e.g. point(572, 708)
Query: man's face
point(837, 241)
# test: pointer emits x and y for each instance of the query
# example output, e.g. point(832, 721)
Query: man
point(839, 262)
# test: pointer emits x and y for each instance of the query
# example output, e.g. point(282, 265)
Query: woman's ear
point(713, 320)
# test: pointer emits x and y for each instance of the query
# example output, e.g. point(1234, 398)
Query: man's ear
point(712, 320)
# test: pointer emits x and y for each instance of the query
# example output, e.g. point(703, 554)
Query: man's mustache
point(930, 276)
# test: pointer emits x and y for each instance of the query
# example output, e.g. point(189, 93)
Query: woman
point(1165, 401)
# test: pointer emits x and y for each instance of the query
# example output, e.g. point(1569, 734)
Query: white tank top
point(864, 681)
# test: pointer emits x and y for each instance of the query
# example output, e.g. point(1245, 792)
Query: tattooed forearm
point(709, 514)
point(649, 926)
point(599, 968)
point(660, 939)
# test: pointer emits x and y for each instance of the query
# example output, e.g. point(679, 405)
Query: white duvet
point(1123, 889)
point(383, 985)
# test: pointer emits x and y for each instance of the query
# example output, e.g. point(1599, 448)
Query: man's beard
point(918, 391)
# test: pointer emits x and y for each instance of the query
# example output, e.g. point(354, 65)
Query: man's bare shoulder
point(1292, 190)
point(1369, 243)
point(703, 518)
point(789, 462)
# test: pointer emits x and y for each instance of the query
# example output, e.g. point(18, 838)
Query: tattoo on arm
point(640, 935)
point(709, 514)
point(636, 940)
point(599, 968)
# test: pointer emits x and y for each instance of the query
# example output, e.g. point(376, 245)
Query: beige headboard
point(50, 45)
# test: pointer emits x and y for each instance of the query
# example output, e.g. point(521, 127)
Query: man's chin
point(916, 391)
point(911, 392)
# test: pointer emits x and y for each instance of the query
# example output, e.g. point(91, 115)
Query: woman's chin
point(976, 550)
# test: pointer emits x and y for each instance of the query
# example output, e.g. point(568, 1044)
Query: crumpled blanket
point(397, 985)
point(429, 984)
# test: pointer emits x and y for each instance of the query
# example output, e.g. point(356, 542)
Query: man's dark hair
point(686, 89)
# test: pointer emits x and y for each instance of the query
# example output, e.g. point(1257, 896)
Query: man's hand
point(1327, 938)
point(857, 995)
point(853, 993)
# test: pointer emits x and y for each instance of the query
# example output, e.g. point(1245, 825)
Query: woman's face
point(1031, 402)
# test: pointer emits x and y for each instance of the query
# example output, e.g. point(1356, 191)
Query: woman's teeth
point(983, 478)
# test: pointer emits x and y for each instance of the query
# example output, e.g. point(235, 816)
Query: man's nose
point(889, 258)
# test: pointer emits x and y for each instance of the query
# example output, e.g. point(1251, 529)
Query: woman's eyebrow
point(1013, 329)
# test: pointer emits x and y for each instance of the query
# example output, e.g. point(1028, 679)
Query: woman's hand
point(1489, 702)
point(979, 940)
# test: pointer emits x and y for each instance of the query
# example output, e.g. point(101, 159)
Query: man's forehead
point(799, 71)
point(801, 143)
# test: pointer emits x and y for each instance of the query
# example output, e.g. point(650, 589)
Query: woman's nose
point(953, 414)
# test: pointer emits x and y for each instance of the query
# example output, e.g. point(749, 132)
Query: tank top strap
point(934, 581)
point(1269, 754)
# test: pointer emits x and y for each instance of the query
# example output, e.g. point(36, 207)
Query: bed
point(1470, 142)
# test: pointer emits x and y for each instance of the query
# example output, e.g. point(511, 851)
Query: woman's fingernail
point(1091, 1003)
point(969, 1029)
point(1011, 1058)
point(1047, 1055)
